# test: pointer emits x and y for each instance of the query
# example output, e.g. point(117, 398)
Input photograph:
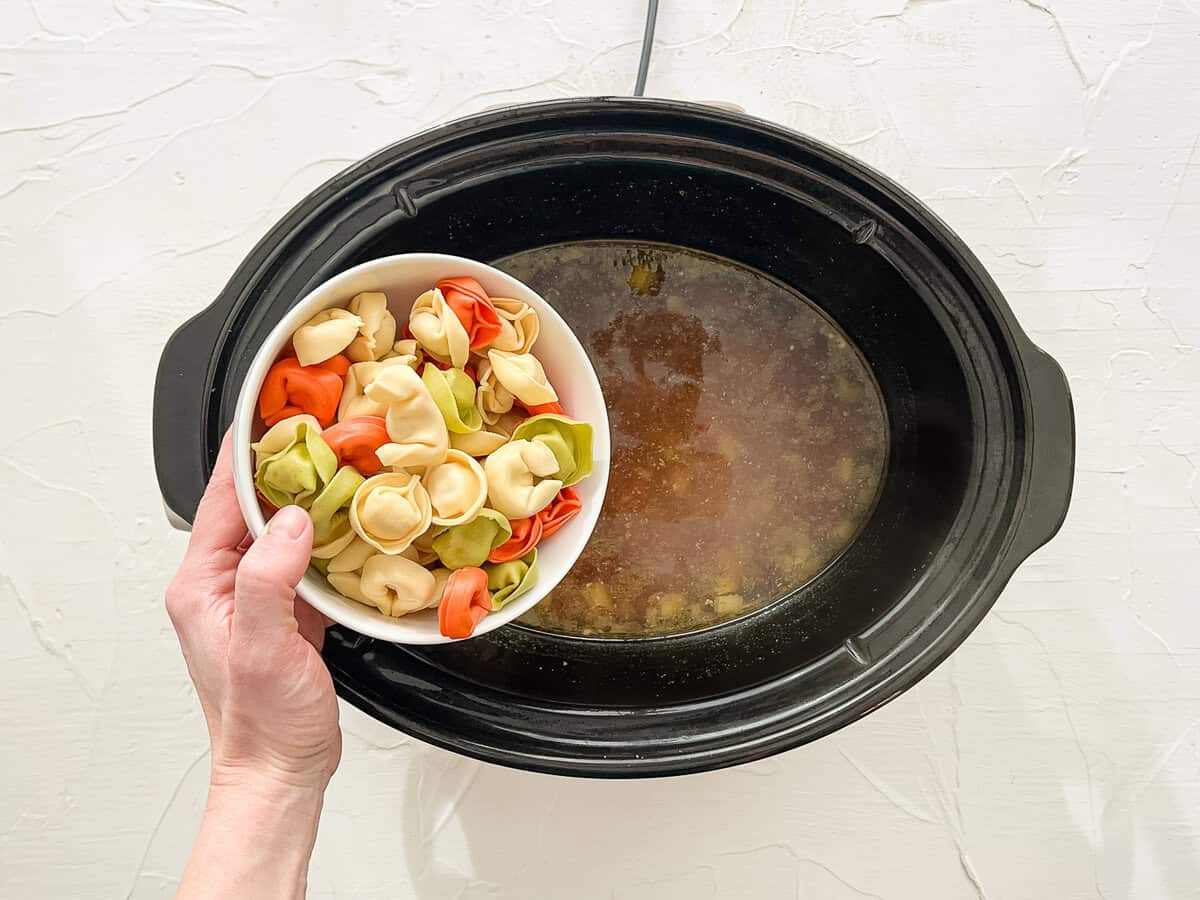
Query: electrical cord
point(639, 88)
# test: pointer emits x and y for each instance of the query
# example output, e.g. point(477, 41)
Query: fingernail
point(289, 522)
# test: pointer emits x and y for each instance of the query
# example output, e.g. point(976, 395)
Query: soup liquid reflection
point(749, 437)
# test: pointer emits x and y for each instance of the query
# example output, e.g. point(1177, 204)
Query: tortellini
point(510, 580)
point(470, 302)
point(524, 377)
point(426, 488)
point(454, 393)
point(301, 468)
point(331, 514)
point(438, 330)
point(355, 440)
point(351, 557)
point(390, 511)
point(359, 377)
point(570, 440)
point(492, 399)
point(392, 584)
point(422, 547)
point(478, 443)
point(457, 489)
point(280, 435)
point(470, 543)
point(377, 331)
point(291, 389)
point(519, 325)
point(326, 334)
point(518, 478)
point(414, 423)
point(405, 349)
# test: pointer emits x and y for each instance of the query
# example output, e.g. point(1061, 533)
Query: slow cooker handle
point(182, 460)
point(1053, 466)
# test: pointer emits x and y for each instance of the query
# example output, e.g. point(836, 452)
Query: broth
point(749, 437)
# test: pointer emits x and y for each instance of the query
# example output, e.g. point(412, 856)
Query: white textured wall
point(146, 144)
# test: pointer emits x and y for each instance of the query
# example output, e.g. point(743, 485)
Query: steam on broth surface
point(749, 437)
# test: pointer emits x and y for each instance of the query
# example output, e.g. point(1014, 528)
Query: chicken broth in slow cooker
point(748, 437)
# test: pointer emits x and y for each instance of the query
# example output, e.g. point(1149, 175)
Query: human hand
point(253, 651)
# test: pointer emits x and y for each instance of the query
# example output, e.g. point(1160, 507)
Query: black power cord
point(639, 87)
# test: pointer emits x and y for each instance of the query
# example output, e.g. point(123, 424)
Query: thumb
point(268, 574)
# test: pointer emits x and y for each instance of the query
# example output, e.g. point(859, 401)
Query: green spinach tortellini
point(571, 442)
point(294, 463)
point(454, 393)
point(470, 543)
point(510, 580)
point(330, 512)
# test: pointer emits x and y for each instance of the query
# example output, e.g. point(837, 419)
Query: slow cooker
point(982, 429)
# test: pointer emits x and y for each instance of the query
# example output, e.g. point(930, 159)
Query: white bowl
point(566, 363)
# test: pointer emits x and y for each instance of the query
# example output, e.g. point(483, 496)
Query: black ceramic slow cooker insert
point(982, 432)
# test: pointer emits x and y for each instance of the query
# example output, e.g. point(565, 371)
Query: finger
point(312, 624)
point(268, 574)
point(219, 524)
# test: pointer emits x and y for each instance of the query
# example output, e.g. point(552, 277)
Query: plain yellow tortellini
point(406, 348)
point(517, 478)
point(391, 510)
point(419, 438)
point(519, 325)
point(492, 399)
point(359, 377)
point(394, 585)
point(457, 489)
point(488, 439)
point(351, 557)
point(377, 333)
point(523, 376)
point(325, 335)
point(438, 330)
point(478, 443)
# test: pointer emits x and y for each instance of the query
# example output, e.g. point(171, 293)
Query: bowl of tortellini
point(447, 434)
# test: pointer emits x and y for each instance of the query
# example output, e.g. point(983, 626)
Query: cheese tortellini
point(445, 456)
point(510, 580)
point(302, 465)
point(570, 441)
point(377, 333)
point(390, 511)
point(523, 376)
point(492, 399)
point(438, 330)
point(470, 543)
point(330, 512)
point(519, 478)
point(325, 335)
point(414, 423)
point(454, 393)
point(392, 584)
point(359, 377)
point(519, 325)
point(457, 489)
